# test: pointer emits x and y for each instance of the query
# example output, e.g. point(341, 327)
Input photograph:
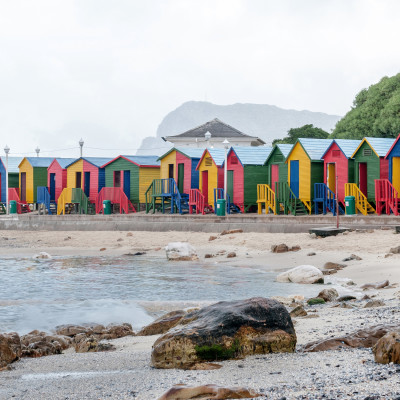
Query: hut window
point(367, 152)
point(208, 161)
point(278, 158)
point(336, 153)
point(234, 160)
point(117, 178)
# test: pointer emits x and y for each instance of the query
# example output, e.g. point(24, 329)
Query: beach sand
point(127, 374)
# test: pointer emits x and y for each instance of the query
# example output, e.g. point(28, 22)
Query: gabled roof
point(140, 161)
point(38, 162)
point(13, 163)
point(189, 152)
point(251, 155)
point(284, 148)
point(392, 147)
point(217, 128)
point(380, 146)
point(314, 148)
point(218, 156)
point(96, 161)
point(65, 161)
point(347, 146)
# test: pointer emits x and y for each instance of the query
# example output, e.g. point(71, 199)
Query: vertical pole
point(7, 205)
point(225, 172)
point(337, 201)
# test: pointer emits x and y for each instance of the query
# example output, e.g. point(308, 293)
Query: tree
point(375, 112)
point(306, 131)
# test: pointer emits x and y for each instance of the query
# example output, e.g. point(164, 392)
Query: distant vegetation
point(375, 112)
point(306, 131)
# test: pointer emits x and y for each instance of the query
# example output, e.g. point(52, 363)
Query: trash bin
point(13, 207)
point(350, 202)
point(221, 207)
point(106, 207)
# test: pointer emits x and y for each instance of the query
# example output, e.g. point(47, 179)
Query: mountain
point(262, 120)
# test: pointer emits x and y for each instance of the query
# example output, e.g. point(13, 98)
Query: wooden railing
point(286, 199)
point(43, 197)
point(362, 204)
point(386, 197)
point(72, 196)
point(163, 189)
point(324, 195)
point(117, 196)
point(266, 196)
point(196, 199)
point(22, 206)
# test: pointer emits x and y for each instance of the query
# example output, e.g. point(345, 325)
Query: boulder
point(387, 348)
point(362, 338)
point(374, 303)
point(70, 330)
point(226, 330)
point(115, 331)
point(347, 297)
point(279, 248)
point(162, 324)
point(377, 285)
point(39, 344)
point(306, 274)
point(330, 294)
point(231, 231)
point(232, 254)
point(89, 344)
point(180, 251)
point(298, 311)
point(182, 392)
point(335, 266)
point(10, 348)
point(395, 250)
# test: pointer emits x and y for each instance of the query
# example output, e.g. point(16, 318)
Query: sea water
point(41, 294)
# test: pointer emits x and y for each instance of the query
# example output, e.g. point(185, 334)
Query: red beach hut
point(57, 176)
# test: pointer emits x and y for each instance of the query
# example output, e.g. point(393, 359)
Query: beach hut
point(32, 173)
point(87, 173)
point(3, 196)
point(277, 169)
point(393, 158)
point(57, 176)
point(245, 169)
point(180, 164)
point(305, 168)
point(370, 164)
point(134, 174)
point(211, 173)
point(339, 165)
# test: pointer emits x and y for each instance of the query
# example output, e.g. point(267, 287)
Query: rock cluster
point(39, 344)
point(283, 248)
point(162, 324)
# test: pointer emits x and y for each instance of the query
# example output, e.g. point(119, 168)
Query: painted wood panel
point(187, 171)
point(2, 182)
point(71, 173)
point(384, 168)
point(396, 173)
point(26, 167)
point(146, 177)
point(212, 177)
point(277, 158)
point(165, 163)
point(60, 178)
point(94, 179)
point(238, 178)
point(253, 175)
point(299, 154)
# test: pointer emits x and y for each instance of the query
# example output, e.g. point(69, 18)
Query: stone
point(328, 271)
point(10, 348)
point(311, 254)
point(98, 331)
point(180, 251)
point(229, 232)
point(232, 254)
point(306, 274)
point(115, 331)
point(298, 311)
point(387, 348)
point(378, 285)
point(352, 257)
point(374, 303)
point(346, 298)
point(70, 330)
point(209, 255)
point(182, 392)
point(103, 249)
point(395, 250)
point(226, 330)
point(330, 294)
point(39, 344)
point(362, 338)
point(280, 248)
point(162, 324)
point(295, 248)
point(335, 266)
point(315, 300)
point(211, 238)
point(42, 256)
point(129, 234)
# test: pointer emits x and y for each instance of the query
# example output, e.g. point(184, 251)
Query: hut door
point(23, 186)
point(181, 174)
point(204, 185)
point(229, 184)
point(363, 179)
point(331, 178)
point(171, 171)
point(396, 173)
point(274, 175)
point(127, 184)
point(294, 177)
point(87, 184)
point(52, 187)
point(78, 179)
point(117, 179)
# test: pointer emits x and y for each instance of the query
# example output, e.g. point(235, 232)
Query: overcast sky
point(109, 71)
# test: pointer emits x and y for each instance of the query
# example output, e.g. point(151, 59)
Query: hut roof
point(13, 163)
point(96, 161)
point(189, 152)
point(391, 148)
point(64, 162)
point(347, 146)
point(218, 155)
point(251, 155)
point(284, 149)
point(315, 148)
point(380, 146)
point(38, 162)
point(141, 161)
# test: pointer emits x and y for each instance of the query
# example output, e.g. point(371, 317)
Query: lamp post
point(207, 136)
point(7, 150)
point(226, 146)
point(81, 143)
point(37, 151)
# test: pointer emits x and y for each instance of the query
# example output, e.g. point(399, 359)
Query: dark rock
point(231, 231)
point(315, 300)
point(40, 344)
point(232, 254)
point(295, 248)
point(374, 303)
point(10, 348)
point(298, 311)
point(395, 250)
point(352, 257)
point(211, 238)
point(226, 330)
point(138, 253)
point(387, 349)
point(163, 324)
point(328, 294)
point(280, 248)
point(362, 338)
point(346, 298)
point(378, 285)
point(311, 254)
point(335, 266)
point(209, 256)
